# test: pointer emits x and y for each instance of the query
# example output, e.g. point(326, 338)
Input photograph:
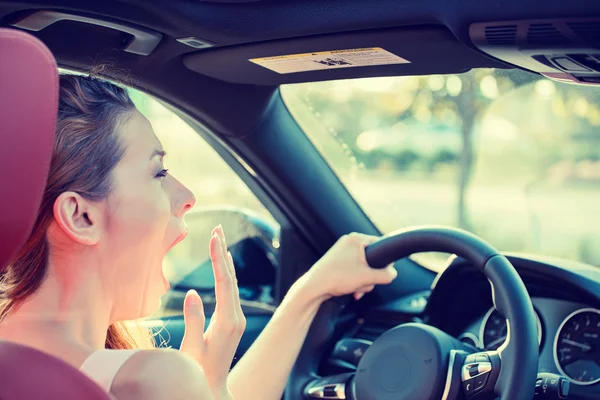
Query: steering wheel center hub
point(407, 362)
point(393, 373)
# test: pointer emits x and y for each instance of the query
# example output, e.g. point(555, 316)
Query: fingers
point(359, 242)
point(193, 315)
point(226, 255)
point(219, 231)
point(229, 260)
point(223, 280)
point(384, 276)
point(236, 290)
point(241, 316)
point(381, 276)
point(376, 277)
point(236, 308)
point(366, 289)
point(361, 238)
point(362, 291)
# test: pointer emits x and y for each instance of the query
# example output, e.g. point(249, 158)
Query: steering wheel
point(418, 361)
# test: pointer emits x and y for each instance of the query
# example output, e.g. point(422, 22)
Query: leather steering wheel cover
point(520, 358)
point(401, 244)
point(518, 370)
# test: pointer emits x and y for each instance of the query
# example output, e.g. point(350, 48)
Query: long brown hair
point(86, 150)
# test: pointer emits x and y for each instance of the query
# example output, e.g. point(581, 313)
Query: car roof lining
point(240, 30)
point(235, 23)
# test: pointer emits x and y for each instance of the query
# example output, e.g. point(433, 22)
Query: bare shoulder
point(160, 374)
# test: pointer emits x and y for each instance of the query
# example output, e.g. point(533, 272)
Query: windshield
point(505, 154)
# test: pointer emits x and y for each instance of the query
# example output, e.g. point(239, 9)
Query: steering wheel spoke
point(331, 387)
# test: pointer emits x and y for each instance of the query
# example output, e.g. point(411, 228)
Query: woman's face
point(143, 221)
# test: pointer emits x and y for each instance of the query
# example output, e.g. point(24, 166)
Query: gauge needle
point(496, 342)
point(582, 346)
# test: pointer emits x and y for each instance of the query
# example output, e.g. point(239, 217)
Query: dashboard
point(565, 297)
point(568, 335)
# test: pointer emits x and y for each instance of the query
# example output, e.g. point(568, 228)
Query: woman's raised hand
point(215, 348)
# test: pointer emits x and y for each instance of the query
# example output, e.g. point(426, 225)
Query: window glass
point(505, 154)
point(222, 198)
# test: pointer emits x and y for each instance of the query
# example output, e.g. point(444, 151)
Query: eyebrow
point(160, 153)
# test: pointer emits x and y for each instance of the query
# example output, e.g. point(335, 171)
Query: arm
point(263, 371)
point(161, 374)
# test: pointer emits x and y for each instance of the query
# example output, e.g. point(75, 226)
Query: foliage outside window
point(508, 155)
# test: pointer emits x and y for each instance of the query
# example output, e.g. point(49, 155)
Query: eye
point(162, 173)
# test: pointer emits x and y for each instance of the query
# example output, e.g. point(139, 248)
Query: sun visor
point(563, 50)
point(384, 52)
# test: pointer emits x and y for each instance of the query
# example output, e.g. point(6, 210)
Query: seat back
point(28, 111)
point(27, 373)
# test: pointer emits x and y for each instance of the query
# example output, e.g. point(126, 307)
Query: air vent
point(563, 50)
point(372, 329)
point(501, 34)
point(586, 31)
point(545, 34)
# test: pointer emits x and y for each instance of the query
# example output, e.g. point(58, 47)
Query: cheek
point(141, 219)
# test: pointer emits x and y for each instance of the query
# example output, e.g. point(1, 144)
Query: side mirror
point(253, 241)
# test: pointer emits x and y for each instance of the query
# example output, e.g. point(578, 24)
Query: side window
point(222, 198)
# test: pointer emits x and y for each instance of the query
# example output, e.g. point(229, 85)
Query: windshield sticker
point(288, 64)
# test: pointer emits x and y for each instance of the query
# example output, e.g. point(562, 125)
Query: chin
point(150, 308)
point(152, 302)
point(160, 295)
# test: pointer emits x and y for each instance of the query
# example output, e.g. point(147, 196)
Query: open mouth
point(179, 238)
point(182, 236)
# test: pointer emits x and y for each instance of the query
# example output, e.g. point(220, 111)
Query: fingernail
point(194, 305)
point(358, 296)
point(194, 294)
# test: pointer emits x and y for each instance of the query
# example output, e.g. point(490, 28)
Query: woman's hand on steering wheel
point(344, 270)
point(215, 348)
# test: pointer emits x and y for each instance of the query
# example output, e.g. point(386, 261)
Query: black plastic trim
point(143, 43)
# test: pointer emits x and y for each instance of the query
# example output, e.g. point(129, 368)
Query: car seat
point(28, 111)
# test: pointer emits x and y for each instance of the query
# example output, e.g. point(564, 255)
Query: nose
point(184, 199)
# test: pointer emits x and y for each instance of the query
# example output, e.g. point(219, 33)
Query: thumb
point(193, 315)
point(385, 275)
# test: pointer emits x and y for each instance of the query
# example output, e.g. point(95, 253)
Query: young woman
point(110, 213)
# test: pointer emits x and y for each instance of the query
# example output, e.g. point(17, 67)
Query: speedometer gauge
point(577, 347)
point(494, 329)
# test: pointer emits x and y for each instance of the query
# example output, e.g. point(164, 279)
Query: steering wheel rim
point(519, 355)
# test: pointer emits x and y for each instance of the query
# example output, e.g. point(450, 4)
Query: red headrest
point(28, 110)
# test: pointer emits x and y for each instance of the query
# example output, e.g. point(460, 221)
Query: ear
point(78, 218)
